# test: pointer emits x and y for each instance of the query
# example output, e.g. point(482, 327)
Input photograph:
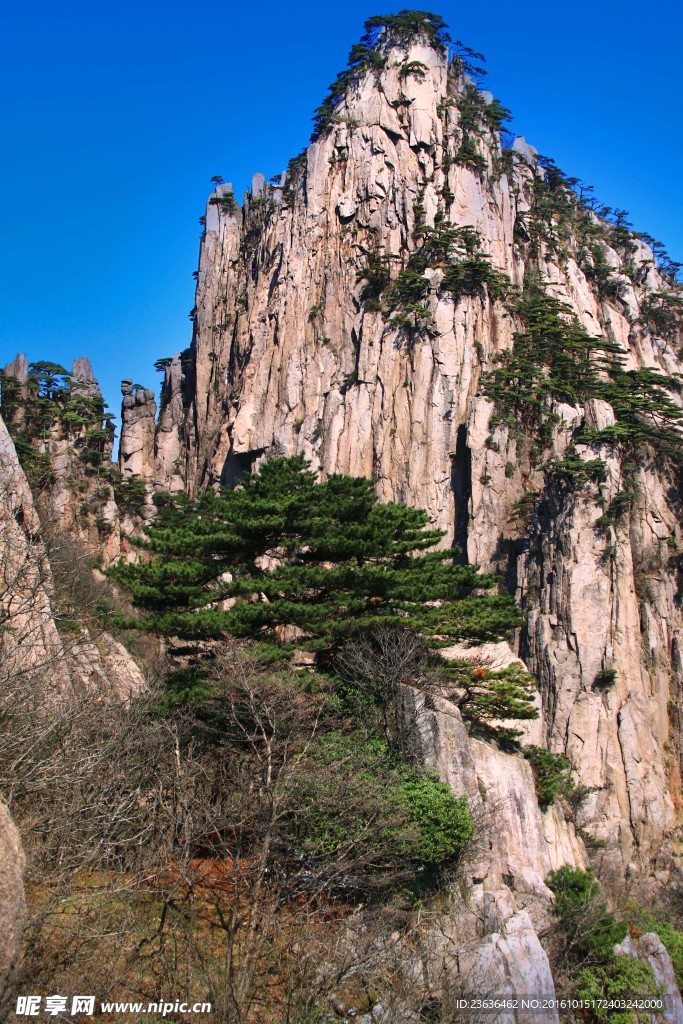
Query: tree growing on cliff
point(375, 664)
point(285, 555)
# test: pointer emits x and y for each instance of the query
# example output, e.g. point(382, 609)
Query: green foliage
point(593, 929)
point(466, 271)
point(51, 401)
point(667, 267)
point(573, 471)
point(345, 785)
point(469, 155)
point(130, 492)
point(488, 696)
point(338, 561)
point(621, 978)
point(552, 773)
point(186, 687)
point(595, 265)
point(443, 821)
point(471, 107)
point(463, 62)
point(554, 359)
point(350, 379)
point(605, 679)
point(376, 275)
point(413, 67)
point(403, 28)
point(381, 32)
point(476, 117)
point(564, 212)
point(589, 932)
point(225, 202)
point(662, 314)
point(293, 176)
point(617, 510)
point(646, 919)
point(644, 411)
point(36, 464)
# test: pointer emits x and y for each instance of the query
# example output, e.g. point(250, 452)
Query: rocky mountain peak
point(422, 300)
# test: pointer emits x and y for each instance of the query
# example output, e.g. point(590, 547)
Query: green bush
point(621, 978)
point(552, 773)
point(618, 508)
point(443, 821)
point(574, 471)
point(130, 492)
point(590, 926)
point(397, 820)
point(605, 679)
point(52, 400)
point(647, 920)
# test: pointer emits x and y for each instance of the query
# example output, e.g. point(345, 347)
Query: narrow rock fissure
point(461, 485)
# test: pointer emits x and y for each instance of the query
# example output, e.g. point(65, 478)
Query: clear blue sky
point(117, 114)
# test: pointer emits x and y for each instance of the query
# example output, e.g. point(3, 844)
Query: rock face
point(517, 845)
point(298, 347)
point(72, 441)
point(293, 352)
point(30, 641)
point(138, 418)
point(12, 904)
point(169, 444)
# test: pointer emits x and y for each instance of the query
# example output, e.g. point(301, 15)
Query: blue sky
point(118, 114)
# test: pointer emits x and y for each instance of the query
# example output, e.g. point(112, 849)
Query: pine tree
point(486, 697)
point(283, 550)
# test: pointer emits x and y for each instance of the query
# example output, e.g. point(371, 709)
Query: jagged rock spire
point(138, 418)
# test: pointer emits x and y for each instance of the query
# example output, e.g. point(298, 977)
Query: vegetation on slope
point(322, 559)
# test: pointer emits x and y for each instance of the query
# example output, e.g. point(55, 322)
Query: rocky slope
point(40, 658)
point(38, 639)
point(337, 317)
point(303, 342)
point(301, 345)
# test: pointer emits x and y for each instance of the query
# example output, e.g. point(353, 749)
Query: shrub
point(618, 508)
point(355, 799)
point(645, 919)
point(574, 471)
point(590, 928)
point(443, 821)
point(605, 679)
point(551, 773)
point(622, 978)
point(467, 271)
point(130, 492)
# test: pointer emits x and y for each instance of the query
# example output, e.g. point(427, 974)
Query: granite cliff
point(308, 339)
point(363, 309)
